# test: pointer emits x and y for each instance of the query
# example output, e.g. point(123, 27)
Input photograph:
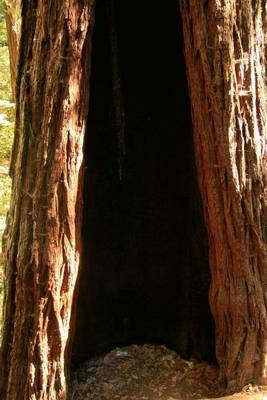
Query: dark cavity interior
point(145, 274)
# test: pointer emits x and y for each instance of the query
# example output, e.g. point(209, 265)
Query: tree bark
point(225, 51)
point(42, 241)
point(12, 13)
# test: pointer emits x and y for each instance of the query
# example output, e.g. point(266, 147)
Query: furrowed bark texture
point(42, 241)
point(12, 13)
point(225, 50)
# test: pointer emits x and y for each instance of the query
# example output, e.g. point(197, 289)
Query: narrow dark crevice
point(145, 274)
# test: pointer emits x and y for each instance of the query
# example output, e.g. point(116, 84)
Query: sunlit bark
point(13, 22)
point(43, 235)
point(225, 50)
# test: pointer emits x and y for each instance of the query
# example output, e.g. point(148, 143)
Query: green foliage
point(5, 188)
point(6, 133)
point(3, 39)
point(5, 88)
point(7, 111)
point(2, 14)
point(6, 120)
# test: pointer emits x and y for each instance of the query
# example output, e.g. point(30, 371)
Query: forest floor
point(151, 372)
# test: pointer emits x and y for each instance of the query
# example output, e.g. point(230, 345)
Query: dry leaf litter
point(145, 372)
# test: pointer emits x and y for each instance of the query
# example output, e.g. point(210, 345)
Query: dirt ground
point(150, 372)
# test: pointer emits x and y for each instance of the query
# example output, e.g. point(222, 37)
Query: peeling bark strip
point(43, 234)
point(12, 14)
point(225, 51)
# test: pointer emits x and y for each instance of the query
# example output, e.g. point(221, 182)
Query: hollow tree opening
point(145, 273)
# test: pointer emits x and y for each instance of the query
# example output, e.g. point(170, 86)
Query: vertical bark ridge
point(225, 51)
point(12, 14)
point(42, 239)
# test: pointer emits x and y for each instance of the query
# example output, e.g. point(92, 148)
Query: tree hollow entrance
point(145, 273)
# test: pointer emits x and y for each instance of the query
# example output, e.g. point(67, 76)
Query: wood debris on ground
point(147, 372)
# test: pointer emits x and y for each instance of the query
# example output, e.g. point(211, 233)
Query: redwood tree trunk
point(225, 50)
point(12, 13)
point(43, 235)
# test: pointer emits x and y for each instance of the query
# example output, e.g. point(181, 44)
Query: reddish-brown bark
point(225, 55)
point(43, 234)
point(225, 52)
point(12, 13)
